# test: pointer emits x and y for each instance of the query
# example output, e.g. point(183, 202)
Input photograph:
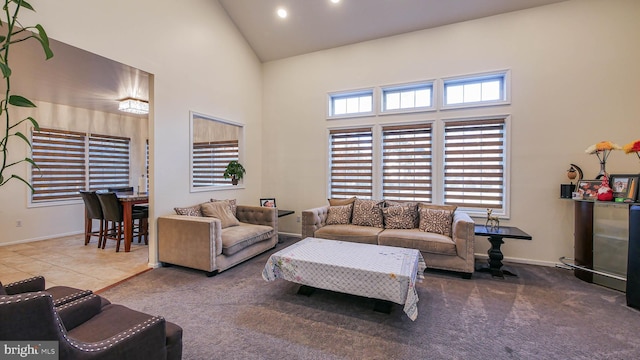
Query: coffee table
point(379, 272)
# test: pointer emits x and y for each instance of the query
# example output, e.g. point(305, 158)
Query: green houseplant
point(13, 32)
point(235, 171)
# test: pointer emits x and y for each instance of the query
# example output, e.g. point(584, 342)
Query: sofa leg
point(466, 275)
point(211, 273)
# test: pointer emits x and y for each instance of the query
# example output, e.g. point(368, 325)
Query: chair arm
point(190, 241)
point(33, 284)
point(78, 311)
point(146, 340)
point(257, 215)
point(463, 234)
point(313, 219)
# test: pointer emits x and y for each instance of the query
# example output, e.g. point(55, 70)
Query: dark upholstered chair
point(87, 329)
point(112, 211)
point(129, 190)
point(93, 211)
point(61, 294)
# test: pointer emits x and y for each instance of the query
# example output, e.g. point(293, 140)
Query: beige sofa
point(452, 253)
point(201, 243)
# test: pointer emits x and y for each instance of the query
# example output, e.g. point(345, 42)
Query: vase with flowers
point(602, 150)
point(632, 147)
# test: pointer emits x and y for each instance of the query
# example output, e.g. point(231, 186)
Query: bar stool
point(93, 211)
point(112, 211)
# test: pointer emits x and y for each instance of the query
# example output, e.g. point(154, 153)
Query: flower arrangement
point(633, 146)
point(602, 150)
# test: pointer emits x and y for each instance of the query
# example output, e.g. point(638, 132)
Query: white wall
point(199, 62)
point(575, 74)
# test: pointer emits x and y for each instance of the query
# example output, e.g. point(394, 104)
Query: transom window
point(475, 90)
point(407, 97)
point(344, 104)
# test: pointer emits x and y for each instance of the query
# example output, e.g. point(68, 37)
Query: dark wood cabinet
point(583, 236)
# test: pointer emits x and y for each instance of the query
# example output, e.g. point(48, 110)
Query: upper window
point(407, 98)
point(351, 103)
point(479, 90)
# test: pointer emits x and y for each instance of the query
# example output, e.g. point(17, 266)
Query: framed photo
point(624, 186)
point(268, 202)
point(588, 189)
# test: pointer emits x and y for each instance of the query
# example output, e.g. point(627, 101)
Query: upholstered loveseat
point(444, 235)
point(214, 237)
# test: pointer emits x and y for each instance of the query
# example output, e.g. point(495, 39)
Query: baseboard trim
point(24, 241)
point(521, 260)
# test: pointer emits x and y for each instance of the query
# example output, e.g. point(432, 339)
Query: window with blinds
point(351, 152)
point(406, 162)
point(474, 163)
point(60, 159)
point(108, 161)
point(210, 159)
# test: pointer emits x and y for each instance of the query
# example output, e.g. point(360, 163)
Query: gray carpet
point(545, 313)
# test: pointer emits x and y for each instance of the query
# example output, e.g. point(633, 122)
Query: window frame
point(504, 75)
point(332, 96)
point(430, 84)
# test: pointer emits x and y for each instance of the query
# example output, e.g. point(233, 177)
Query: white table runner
point(374, 271)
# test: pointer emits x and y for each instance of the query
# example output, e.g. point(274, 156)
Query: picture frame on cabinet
point(588, 189)
point(624, 186)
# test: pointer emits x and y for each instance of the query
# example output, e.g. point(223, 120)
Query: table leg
point(127, 210)
point(495, 259)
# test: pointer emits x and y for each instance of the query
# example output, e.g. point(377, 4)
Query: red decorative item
point(604, 192)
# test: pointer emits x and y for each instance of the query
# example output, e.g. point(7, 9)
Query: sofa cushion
point(353, 233)
point(232, 204)
point(401, 216)
point(339, 215)
point(416, 239)
point(236, 238)
point(2, 290)
point(436, 218)
point(337, 202)
point(189, 211)
point(220, 210)
point(367, 213)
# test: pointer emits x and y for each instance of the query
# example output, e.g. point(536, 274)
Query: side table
point(496, 234)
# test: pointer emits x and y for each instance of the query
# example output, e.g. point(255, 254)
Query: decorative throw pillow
point(189, 211)
point(220, 210)
point(436, 218)
point(403, 216)
point(339, 215)
point(232, 205)
point(338, 202)
point(367, 213)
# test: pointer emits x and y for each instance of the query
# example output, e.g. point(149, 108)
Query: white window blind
point(406, 162)
point(210, 159)
point(474, 163)
point(60, 156)
point(351, 163)
point(108, 161)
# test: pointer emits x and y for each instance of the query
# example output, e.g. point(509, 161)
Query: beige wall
point(575, 74)
point(199, 62)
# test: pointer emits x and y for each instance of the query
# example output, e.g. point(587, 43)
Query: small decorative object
point(602, 151)
point(566, 190)
point(632, 147)
point(492, 221)
point(604, 192)
point(625, 187)
point(268, 202)
point(589, 189)
point(235, 171)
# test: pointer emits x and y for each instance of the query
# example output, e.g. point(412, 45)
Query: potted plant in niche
point(12, 32)
point(235, 171)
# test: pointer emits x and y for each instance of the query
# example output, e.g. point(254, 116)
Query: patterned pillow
point(337, 202)
point(367, 213)
point(232, 205)
point(339, 215)
point(220, 210)
point(189, 211)
point(403, 216)
point(436, 218)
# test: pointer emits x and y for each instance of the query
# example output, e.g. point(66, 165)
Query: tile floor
point(67, 261)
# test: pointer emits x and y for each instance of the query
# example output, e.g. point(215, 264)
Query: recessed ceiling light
point(282, 13)
point(335, 1)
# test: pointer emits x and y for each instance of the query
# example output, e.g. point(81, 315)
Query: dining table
point(128, 200)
